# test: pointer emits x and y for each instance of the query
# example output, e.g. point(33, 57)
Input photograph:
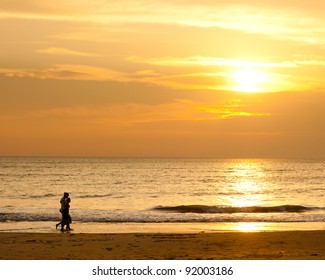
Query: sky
point(153, 78)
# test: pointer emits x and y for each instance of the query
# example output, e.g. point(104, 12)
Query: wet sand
point(278, 245)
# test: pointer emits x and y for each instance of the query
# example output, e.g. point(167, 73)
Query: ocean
point(161, 191)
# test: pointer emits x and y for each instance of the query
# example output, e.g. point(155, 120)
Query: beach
point(162, 208)
point(277, 245)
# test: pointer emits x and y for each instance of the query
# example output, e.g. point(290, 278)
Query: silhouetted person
point(66, 218)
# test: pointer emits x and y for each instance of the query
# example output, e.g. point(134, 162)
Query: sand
point(280, 245)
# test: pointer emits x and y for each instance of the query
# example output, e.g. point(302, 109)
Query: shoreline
point(180, 228)
point(279, 245)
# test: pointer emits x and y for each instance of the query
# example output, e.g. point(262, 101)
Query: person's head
point(66, 194)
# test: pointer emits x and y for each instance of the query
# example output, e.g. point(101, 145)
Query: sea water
point(162, 190)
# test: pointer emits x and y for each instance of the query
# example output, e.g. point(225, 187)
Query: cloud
point(135, 113)
point(64, 51)
point(225, 113)
point(170, 61)
point(91, 73)
point(68, 72)
point(208, 61)
point(285, 22)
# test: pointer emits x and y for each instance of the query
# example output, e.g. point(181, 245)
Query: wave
point(232, 209)
point(94, 195)
point(42, 195)
point(182, 214)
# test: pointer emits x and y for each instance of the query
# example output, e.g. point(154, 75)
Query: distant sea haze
point(157, 190)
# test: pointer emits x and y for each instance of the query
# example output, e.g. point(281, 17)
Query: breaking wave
point(180, 214)
point(231, 209)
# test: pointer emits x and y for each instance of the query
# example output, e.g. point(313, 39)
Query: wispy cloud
point(225, 113)
point(68, 72)
point(91, 73)
point(134, 113)
point(170, 61)
point(208, 61)
point(64, 51)
point(278, 21)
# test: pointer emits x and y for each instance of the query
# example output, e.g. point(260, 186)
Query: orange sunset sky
point(172, 78)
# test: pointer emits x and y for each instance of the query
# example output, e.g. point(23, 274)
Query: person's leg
point(68, 221)
point(62, 219)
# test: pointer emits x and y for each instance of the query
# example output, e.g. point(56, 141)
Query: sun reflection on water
point(248, 194)
point(248, 227)
point(249, 185)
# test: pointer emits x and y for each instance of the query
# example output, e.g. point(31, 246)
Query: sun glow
point(249, 80)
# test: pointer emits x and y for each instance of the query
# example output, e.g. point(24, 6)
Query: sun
point(249, 80)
